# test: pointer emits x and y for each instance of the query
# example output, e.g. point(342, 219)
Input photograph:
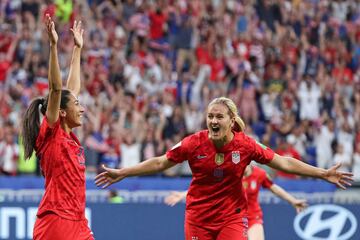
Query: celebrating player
point(61, 214)
point(216, 206)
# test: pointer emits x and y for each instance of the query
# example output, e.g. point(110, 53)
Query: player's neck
point(225, 140)
point(248, 171)
point(66, 128)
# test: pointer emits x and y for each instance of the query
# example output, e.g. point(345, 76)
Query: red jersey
point(62, 163)
point(215, 195)
point(251, 184)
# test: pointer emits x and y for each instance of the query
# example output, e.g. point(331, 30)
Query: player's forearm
point(73, 82)
point(280, 192)
point(54, 75)
point(150, 166)
point(292, 165)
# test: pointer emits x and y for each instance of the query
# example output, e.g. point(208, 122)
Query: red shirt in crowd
point(252, 184)
point(4, 67)
point(215, 195)
point(63, 166)
point(157, 22)
point(288, 152)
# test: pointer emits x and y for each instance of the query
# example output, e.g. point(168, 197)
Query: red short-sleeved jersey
point(63, 166)
point(251, 184)
point(215, 195)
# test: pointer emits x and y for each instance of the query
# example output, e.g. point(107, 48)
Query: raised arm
point(291, 165)
point(73, 82)
point(55, 84)
point(298, 204)
point(150, 166)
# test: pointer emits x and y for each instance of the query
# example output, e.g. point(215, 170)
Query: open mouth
point(215, 129)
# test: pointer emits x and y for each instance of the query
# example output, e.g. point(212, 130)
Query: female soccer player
point(216, 206)
point(61, 214)
point(254, 177)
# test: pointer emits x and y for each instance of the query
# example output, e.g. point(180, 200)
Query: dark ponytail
point(31, 125)
point(31, 120)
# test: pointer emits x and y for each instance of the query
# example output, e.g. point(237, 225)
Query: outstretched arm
point(55, 84)
point(291, 165)
point(73, 82)
point(174, 198)
point(298, 204)
point(150, 166)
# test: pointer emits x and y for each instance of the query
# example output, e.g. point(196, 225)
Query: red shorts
point(236, 229)
point(50, 226)
point(255, 219)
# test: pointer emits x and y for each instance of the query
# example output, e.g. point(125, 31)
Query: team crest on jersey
point(219, 158)
point(235, 157)
point(253, 185)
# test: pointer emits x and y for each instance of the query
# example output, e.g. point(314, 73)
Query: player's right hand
point(174, 198)
point(50, 27)
point(300, 205)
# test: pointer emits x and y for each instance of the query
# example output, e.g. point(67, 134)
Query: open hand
point(108, 177)
point(174, 198)
point(77, 32)
point(299, 205)
point(340, 179)
point(50, 27)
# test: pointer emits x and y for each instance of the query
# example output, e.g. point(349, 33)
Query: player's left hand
point(340, 179)
point(108, 177)
point(77, 32)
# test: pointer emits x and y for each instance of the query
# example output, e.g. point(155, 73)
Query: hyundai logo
point(330, 222)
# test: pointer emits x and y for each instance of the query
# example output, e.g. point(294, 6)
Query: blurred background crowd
point(149, 69)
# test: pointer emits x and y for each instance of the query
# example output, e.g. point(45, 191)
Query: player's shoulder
point(195, 140)
point(198, 137)
point(243, 141)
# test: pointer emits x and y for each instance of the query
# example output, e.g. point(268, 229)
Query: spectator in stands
point(323, 142)
point(218, 157)
point(287, 150)
point(9, 151)
point(356, 163)
point(61, 213)
point(341, 156)
point(8, 45)
point(254, 178)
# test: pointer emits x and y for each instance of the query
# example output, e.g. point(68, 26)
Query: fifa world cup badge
point(219, 158)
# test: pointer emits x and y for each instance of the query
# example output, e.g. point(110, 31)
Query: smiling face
point(73, 112)
point(219, 123)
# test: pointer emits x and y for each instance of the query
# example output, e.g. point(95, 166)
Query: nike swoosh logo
point(201, 156)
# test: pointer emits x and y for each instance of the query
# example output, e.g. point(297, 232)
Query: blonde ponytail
point(239, 125)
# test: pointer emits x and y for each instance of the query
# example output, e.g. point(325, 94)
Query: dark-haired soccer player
point(61, 213)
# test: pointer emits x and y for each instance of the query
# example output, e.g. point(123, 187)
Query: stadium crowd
point(151, 67)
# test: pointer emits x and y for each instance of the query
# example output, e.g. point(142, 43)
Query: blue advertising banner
point(156, 221)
